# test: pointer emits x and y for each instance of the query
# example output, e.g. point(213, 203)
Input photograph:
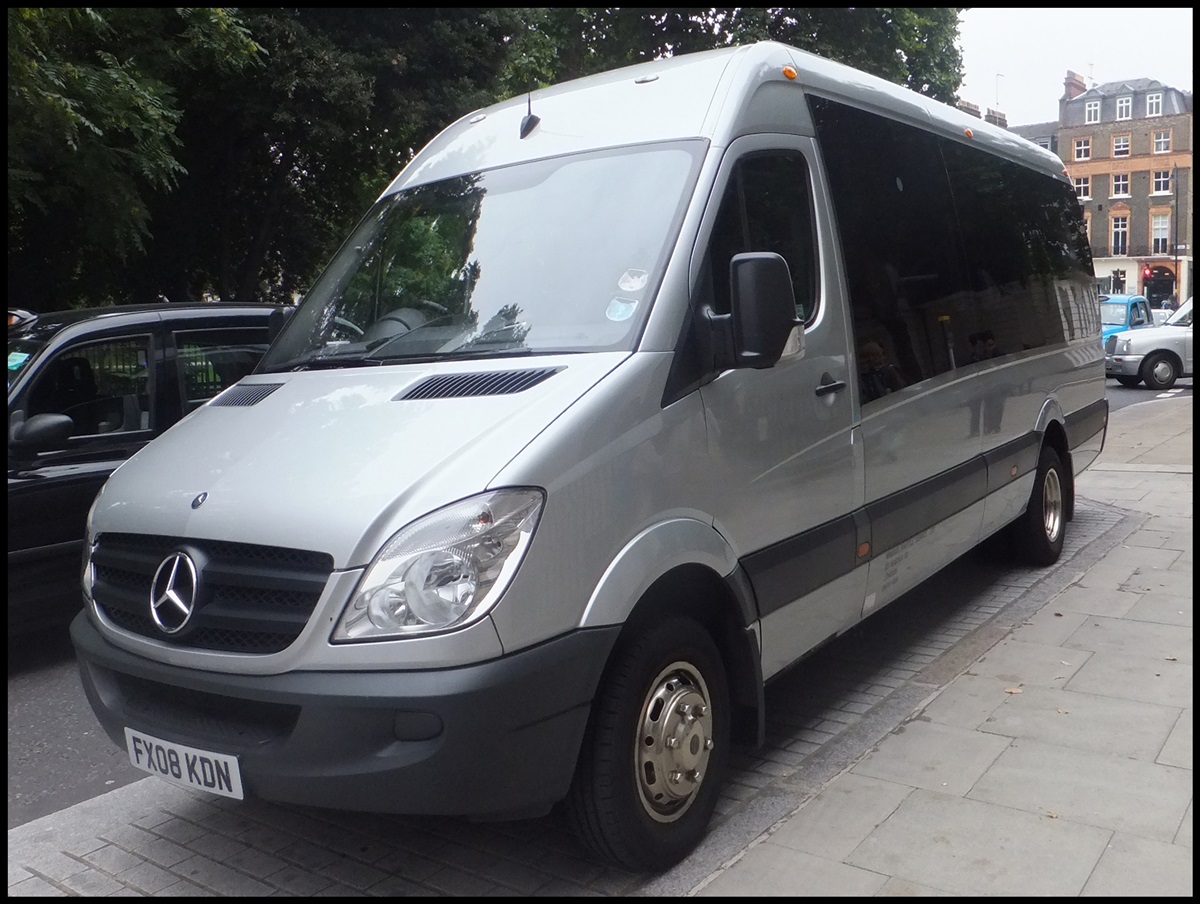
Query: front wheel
point(1039, 533)
point(655, 753)
point(1160, 371)
point(1129, 381)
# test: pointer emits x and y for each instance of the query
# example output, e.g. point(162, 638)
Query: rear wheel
point(655, 753)
point(1038, 534)
point(1160, 371)
point(1129, 381)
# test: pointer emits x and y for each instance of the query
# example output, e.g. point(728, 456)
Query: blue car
point(1123, 312)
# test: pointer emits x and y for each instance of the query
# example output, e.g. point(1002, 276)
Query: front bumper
point(496, 739)
point(1122, 365)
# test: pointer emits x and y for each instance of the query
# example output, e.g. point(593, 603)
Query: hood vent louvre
point(458, 386)
point(243, 396)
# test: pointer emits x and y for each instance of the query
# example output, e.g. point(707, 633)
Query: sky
point(1015, 60)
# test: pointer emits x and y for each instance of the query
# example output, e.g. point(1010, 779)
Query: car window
point(209, 361)
point(104, 387)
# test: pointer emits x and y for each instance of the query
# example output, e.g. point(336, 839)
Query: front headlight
point(444, 570)
point(1122, 347)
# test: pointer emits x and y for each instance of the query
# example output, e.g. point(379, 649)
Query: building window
point(1120, 185)
point(1091, 111)
point(1162, 182)
point(1120, 236)
point(1162, 142)
point(1042, 143)
point(1158, 229)
point(1120, 145)
point(1083, 149)
point(1124, 108)
point(1154, 105)
point(1083, 188)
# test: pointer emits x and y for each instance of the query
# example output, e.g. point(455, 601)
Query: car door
point(109, 387)
point(785, 470)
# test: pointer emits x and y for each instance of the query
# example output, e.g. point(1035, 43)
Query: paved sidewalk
point(1057, 763)
point(998, 731)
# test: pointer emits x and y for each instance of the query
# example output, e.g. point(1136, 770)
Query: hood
point(336, 461)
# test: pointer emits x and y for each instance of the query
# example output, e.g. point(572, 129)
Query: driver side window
point(104, 387)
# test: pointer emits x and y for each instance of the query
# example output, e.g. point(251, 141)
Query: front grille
point(249, 598)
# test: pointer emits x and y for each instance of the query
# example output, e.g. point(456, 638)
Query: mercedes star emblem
point(173, 592)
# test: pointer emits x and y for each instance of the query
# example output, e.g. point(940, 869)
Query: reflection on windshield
point(559, 255)
point(1112, 314)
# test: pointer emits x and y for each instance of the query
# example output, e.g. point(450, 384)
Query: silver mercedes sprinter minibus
point(623, 398)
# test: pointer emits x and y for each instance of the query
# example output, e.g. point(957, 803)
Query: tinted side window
point(767, 207)
point(209, 361)
point(1026, 251)
point(898, 228)
point(103, 386)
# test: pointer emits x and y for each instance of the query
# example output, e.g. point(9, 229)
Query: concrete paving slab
point(1085, 721)
point(1093, 601)
point(972, 848)
point(1177, 751)
point(836, 821)
point(904, 888)
point(1128, 637)
point(1027, 664)
point(1184, 835)
point(1175, 583)
point(1050, 626)
point(1095, 789)
point(936, 757)
point(1163, 609)
point(1131, 864)
point(1135, 678)
point(769, 870)
point(966, 701)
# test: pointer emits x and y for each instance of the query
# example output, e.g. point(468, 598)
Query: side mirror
point(764, 308)
point(276, 321)
point(40, 433)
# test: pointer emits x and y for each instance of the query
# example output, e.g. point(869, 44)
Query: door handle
point(828, 385)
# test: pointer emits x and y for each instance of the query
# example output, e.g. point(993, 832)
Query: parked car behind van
point(625, 396)
point(1157, 357)
point(87, 389)
point(1124, 312)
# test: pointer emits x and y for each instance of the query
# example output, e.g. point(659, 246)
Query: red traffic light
point(1146, 272)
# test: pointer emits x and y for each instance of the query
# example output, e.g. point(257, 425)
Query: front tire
point(1160, 371)
point(1038, 534)
point(655, 753)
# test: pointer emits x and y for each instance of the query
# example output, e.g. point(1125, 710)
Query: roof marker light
point(968, 133)
point(789, 72)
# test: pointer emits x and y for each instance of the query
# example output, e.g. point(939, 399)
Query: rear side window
point(209, 361)
point(954, 256)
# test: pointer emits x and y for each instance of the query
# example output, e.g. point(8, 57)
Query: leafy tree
point(189, 153)
point(92, 135)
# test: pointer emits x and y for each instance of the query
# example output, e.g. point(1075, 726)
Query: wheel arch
point(683, 566)
point(1052, 427)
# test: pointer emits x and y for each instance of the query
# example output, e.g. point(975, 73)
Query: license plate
point(216, 773)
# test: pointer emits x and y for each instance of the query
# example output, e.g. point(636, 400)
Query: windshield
point(1113, 313)
point(552, 256)
point(1182, 317)
point(20, 353)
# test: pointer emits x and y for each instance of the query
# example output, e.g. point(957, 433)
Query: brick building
point(1127, 146)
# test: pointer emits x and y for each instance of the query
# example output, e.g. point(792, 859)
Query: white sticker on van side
point(621, 308)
